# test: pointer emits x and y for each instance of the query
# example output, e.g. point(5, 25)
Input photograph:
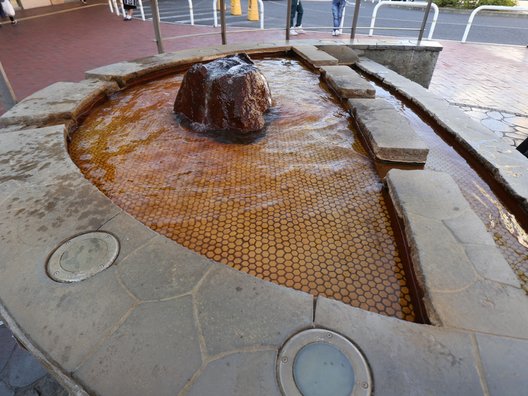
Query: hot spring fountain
point(153, 287)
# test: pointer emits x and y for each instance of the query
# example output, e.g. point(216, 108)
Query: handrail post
point(470, 21)
point(355, 20)
point(288, 17)
point(191, 11)
point(157, 30)
point(215, 17)
point(222, 21)
point(141, 10)
point(261, 5)
point(433, 24)
point(373, 18)
point(424, 22)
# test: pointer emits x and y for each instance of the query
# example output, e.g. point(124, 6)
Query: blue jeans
point(337, 11)
point(296, 6)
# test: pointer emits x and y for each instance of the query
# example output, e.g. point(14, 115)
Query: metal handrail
point(416, 4)
point(191, 11)
point(493, 8)
point(261, 13)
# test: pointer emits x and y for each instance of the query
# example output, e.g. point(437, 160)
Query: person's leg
point(13, 20)
point(341, 9)
point(292, 13)
point(335, 12)
point(300, 12)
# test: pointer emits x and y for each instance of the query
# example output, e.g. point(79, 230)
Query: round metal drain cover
point(320, 362)
point(83, 256)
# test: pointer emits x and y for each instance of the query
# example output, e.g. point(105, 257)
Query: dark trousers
point(296, 6)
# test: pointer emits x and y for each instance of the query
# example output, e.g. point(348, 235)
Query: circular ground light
point(83, 256)
point(319, 362)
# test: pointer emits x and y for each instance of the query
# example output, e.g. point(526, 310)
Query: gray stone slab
point(347, 83)
point(405, 358)
point(504, 362)
point(485, 306)
point(46, 386)
point(387, 132)
point(239, 374)
point(23, 369)
point(28, 153)
point(509, 168)
point(439, 259)
point(162, 269)
point(343, 53)
point(5, 390)
point(155, 352)
point(430, 194)
point(237, 311)
point(7, 346)
point(65, 320)
point(57, 103)
point(130, 233)
point(314, 56)
point(436, 219)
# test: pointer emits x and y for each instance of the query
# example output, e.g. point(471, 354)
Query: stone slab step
point(387, 132)
point(508, 166)
point(467, 283)
point(347, 83)
point(343, 53)
point(314, 56)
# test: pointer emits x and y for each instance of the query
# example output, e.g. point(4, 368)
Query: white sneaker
point(293, 32)
point(335, 32)
point(299, 30)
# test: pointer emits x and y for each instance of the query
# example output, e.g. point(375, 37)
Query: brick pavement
point(487, 81)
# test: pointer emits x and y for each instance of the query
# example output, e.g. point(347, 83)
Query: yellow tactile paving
point(301, 206)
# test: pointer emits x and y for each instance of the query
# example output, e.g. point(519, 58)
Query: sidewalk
point(487, 81)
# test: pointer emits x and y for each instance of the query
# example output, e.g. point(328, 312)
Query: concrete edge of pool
point(212, 329)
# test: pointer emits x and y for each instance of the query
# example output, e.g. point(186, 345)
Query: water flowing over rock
point(228, 94)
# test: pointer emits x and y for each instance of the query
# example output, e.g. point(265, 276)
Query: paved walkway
point(487, 81)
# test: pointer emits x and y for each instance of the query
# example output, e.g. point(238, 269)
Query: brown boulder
point(228, 94)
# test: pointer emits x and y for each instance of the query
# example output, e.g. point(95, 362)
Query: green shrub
point(470, 4)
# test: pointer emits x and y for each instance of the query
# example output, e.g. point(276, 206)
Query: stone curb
point(462, 287)
point(48, 106)
point(125, 73)
point(508, 166)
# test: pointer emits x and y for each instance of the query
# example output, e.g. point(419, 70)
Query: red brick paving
point(489, 75)
point(42, 50)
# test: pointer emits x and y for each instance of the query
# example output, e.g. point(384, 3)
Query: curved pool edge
point(127, 324)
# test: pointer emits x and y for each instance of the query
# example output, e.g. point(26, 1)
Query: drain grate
point(322, 362)
point(83, 256)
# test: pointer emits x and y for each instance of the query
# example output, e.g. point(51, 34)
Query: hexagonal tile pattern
point(300, 206)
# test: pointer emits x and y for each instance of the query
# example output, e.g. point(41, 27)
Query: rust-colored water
point(301, 206)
